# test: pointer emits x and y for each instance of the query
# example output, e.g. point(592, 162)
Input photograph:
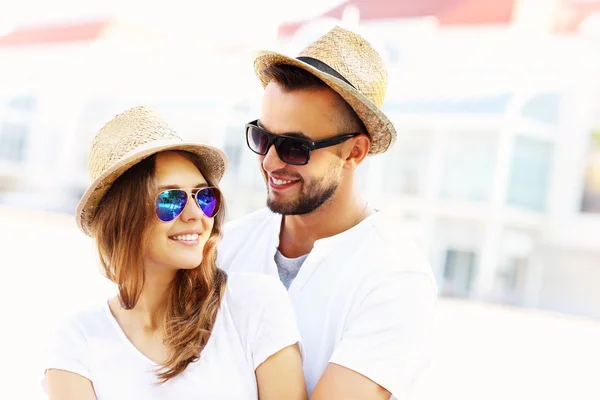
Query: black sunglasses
point(290, 149)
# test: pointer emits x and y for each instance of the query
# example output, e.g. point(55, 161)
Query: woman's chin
point(190, 263)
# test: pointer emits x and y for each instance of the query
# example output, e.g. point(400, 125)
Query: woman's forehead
point(173, 168)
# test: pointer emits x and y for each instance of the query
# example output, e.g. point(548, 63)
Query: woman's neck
point(151, 305)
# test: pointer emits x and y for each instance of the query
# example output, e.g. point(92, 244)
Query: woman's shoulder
point(85, 320)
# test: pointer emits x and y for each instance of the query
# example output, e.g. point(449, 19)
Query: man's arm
point(338, 382)
point(281, 376)
point(386, 341)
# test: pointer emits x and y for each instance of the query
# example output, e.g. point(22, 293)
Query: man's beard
point(309, 199)
point(308, 202)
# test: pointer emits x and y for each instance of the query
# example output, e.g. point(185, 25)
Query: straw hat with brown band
point(126, 140)
point(352, 67)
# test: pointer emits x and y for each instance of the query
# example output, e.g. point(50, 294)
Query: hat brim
point(214, 165)
point(379, 128)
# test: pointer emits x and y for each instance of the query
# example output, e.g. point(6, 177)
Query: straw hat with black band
point(350, 65)
point(124, 141)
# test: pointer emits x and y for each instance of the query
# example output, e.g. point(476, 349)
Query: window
point(22, 103)
point(406, 165)
point(543, 107)
point(233, 148)
point(510, 277)
point(529, 173)
point(459, 273)
point(13, 139)
point(468, 166)
point(591, 192)
point(15, 128)
point(394, 53)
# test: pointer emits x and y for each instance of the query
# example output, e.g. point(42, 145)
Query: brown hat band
point(321, 66)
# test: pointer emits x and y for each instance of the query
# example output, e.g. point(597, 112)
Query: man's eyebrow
point(298, 135)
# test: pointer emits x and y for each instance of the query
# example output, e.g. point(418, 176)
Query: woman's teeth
point(187, 238)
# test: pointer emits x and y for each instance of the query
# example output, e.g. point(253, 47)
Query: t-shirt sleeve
point(269, 320)
point(68, 348)
point(387, 338)
point(276, 325)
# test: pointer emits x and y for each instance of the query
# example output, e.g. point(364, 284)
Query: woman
point(179, 328)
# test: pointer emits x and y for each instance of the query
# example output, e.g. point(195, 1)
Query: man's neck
point(299, 233)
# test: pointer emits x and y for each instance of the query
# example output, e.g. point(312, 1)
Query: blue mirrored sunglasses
point(171, 203)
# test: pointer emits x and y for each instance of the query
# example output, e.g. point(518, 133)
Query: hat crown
point(124, 134)
point(355, 59)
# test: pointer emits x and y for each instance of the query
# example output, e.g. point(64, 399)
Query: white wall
point(569, 280)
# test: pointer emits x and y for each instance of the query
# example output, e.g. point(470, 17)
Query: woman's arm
point(281, 376)
point(64, 385)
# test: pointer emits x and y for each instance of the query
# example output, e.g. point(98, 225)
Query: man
point(362, 293)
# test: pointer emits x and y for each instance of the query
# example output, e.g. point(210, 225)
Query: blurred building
point(495, 171)
point(62, 81)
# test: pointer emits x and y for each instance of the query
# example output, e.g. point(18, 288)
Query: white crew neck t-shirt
point(364, 298)
point(255, 321)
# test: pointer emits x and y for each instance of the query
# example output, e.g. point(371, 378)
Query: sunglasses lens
point(170, 203)
point(209, 200)
point(257, 140)
point(293, 152)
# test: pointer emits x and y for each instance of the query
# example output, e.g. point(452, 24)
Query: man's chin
point(288, 208)
point(277, 207)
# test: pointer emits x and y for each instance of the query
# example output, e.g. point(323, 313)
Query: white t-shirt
point(255, 321)
point(364, 298)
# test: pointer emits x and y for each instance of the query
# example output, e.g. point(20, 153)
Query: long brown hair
point(120, 226)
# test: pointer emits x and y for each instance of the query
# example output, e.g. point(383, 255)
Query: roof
point(53, 34)
point(447, 12)
point(573, 12)
point(569, 15)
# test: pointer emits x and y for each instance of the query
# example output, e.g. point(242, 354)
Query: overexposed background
point(495, 173)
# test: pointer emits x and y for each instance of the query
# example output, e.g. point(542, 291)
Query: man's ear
point(359, 150)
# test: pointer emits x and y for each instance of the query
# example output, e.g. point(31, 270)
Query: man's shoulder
point(397, 249)
point(247, 288)
point(242, 234)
